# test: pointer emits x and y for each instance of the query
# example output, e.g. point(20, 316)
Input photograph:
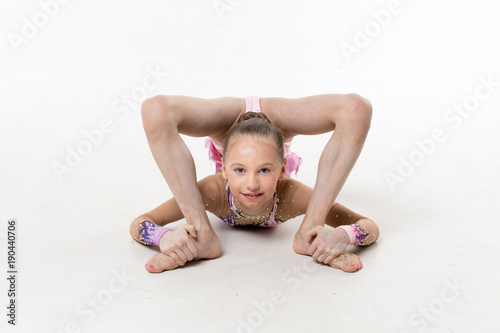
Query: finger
point(328, 260)
point(316, 243)
point(191, 229)
point(312, 248)
point(323, 256)
point(313, 233)
point(187, 252)
point(181, 255)
point(192, 249)
point(176, 258)
point(317, 254)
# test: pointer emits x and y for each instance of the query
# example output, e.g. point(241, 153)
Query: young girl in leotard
point(251, 188)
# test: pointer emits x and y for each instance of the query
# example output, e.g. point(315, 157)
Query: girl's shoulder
point(287, 185)
point(293, 198)
point(213, 185)
point(289, 188)
point(214, 194)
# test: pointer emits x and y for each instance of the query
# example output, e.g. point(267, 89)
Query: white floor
point(428, 174)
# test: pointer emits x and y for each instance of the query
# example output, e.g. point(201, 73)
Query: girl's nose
point(253, 183)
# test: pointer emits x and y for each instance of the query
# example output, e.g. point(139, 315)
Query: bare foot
point(336, 240)
point(300, 245)
point(159, 263)
point(207, 244)
point(348, 262)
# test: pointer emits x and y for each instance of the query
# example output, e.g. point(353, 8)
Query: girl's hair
point(256, 124)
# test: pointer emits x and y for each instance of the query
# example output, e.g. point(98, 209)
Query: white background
point(438, 221)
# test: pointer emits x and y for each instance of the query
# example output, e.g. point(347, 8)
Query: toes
point(348, 262)
point(159, 263)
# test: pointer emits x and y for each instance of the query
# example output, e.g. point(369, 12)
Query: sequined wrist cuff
point(150, 233)
point(357, 235)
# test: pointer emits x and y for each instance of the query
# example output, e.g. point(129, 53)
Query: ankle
point(198, 219)
point(299, 244)
point(205, 229)
point(307, 226)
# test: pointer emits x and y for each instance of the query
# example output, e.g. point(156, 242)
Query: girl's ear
point(224, 172)
point(283, 170)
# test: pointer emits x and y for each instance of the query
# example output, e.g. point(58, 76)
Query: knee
point(157, 112)
point(357, 114)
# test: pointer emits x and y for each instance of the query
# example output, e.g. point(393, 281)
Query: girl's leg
point(349, 116)
point(364, 231)
point(348, 262)
point(164, 119)
point(163, 214)
point(337, 239)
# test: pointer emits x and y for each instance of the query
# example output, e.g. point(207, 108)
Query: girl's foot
point(348, 262)
point(336, 239)
point(159, 263)
point(207, 244)
point(300, 245)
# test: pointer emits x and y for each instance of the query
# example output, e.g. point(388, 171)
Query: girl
point(251, 187)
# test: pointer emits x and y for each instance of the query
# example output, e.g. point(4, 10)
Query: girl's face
point(253, 170)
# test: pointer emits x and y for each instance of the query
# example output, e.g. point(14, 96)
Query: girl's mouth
point(252, 196)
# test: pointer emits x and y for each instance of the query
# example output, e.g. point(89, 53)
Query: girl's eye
point(240, 170)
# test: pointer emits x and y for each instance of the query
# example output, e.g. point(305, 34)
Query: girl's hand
point(179, 244)
point(327, 243)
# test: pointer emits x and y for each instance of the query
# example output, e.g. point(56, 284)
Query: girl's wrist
point(349, 232)
point(151, 233)
point(356, 234)
point(158, 234)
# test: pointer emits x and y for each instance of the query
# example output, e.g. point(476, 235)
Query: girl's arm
point(165, 213)
point(169, 211)
point(299, 195)
point(362, 231)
